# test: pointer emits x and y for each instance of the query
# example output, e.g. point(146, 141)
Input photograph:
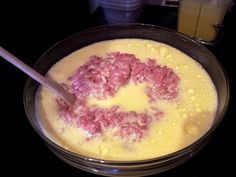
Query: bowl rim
point(167, 157)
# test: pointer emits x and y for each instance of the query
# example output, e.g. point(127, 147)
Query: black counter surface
point(29, 28)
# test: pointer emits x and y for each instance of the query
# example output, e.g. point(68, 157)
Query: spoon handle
point(52, 85)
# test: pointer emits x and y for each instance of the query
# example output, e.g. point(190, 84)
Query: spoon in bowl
point(52, 85)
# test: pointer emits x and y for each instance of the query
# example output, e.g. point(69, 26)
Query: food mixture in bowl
point(136, 99)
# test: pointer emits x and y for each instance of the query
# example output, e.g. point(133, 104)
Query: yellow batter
point(185, 119)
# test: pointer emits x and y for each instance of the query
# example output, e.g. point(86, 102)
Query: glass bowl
point(140, 167)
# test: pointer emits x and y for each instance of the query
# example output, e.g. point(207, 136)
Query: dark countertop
point(29, 28)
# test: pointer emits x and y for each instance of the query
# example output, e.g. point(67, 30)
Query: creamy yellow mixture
point(185, 119)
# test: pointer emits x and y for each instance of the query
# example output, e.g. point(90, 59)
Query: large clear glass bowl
point(140, 167)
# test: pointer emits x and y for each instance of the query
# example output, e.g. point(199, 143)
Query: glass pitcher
point(199, 18)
